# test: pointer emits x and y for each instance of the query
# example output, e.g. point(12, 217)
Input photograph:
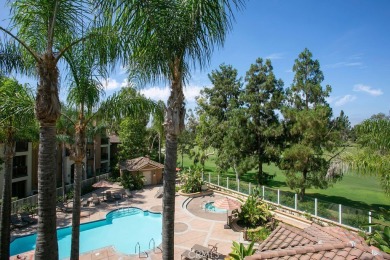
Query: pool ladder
point(154, 245)
point(139, 251)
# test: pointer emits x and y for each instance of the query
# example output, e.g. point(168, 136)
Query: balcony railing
point(104, 157)
point(19, 171)
point(21, 147)
point(104, 140)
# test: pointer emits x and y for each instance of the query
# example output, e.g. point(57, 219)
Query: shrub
point(240, 251)
point(254, 212)
point(258, 234)
point(191, 180)
point(132, 181)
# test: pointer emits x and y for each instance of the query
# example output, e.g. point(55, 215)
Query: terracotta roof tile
point(314, 242)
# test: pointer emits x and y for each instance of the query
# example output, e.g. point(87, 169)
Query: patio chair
point(204, 251)
point(109, 196)
point(17, 222)
point(117, 196)
point(26, 218)
point(191, 255)
point(95, 199)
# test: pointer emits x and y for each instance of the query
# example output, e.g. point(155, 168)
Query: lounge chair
point(95, 199)
point(207, 252)
point(191, 255)
point(128, 193)
point(26, 218)
point(17, 222)
point(159, 193)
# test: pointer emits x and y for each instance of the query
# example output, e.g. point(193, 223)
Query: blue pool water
point(122, 228)
point(209, 206)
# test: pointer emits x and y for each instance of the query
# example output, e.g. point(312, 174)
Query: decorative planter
point(196, 194)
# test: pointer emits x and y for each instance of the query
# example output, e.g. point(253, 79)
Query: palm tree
point(373, 155)
point(45, 31)
point(175, 35)
point(17, 120)
point(84, 97)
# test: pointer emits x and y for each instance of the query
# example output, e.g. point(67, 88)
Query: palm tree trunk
point(174, 123)
point(46, 244)
point(63, 170)
point(47, 111)
point(74, 254)
point(94, 158)
point(7, 196)
point(80, 151)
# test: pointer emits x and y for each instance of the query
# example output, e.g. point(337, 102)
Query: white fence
point(309, 207)
point(33, 200)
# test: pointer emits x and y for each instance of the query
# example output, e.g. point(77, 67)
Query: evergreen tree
point(217, 107)
point(133, 134)
point(263, 97)
point(311, 133)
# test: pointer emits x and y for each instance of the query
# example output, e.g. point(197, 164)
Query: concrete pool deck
point(192, 224)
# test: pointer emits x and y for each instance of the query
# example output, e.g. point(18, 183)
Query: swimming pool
point(122, 228)
point(209, 206)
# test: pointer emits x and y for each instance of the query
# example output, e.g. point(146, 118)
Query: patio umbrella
point(103, 184)
point(227, 203)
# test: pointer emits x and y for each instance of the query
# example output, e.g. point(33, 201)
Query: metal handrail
point(154, 244)
point(139, 249)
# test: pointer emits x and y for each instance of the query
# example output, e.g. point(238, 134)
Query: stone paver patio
point(193, 225)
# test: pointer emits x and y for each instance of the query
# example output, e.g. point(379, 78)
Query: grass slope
point(362, 192)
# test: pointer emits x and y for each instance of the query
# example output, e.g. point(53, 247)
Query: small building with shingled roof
point(151, 170)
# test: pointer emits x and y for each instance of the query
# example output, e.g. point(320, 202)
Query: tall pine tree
point(311, 132)
point(263, 97)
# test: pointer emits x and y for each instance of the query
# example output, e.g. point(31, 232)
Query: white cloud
point(275, 56)
point(341, 101)
point(158, 93)
point(344, 100)
point(367, 89)
point(344, 64)
point(110, 84)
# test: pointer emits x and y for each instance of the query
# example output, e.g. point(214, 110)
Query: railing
point(33, 200)
point(21, 147)
point(19, 171)
point(311, 208)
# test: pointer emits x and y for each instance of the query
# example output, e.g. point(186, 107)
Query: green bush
point(191, 180)
point(132, 181)
point(254, 212)
point(259, 234)
point(240, 251)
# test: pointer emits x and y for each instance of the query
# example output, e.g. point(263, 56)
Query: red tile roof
point(315, 242)
point(138, 164)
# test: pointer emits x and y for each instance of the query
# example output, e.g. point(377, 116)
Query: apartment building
point(25, 164)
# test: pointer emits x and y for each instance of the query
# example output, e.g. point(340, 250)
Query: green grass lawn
point(362, 192)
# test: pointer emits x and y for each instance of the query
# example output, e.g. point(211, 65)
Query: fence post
point(218, 179)
point(238, 185)
point(249, 189)
point(263, 192)
point(278, 196)
point(227, 182)
point(315, 207)
point(369, 222)
point(296, 201)
point(209, 178)
point(340, 214)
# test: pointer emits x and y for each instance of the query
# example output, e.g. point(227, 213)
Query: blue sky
point(350, 38)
